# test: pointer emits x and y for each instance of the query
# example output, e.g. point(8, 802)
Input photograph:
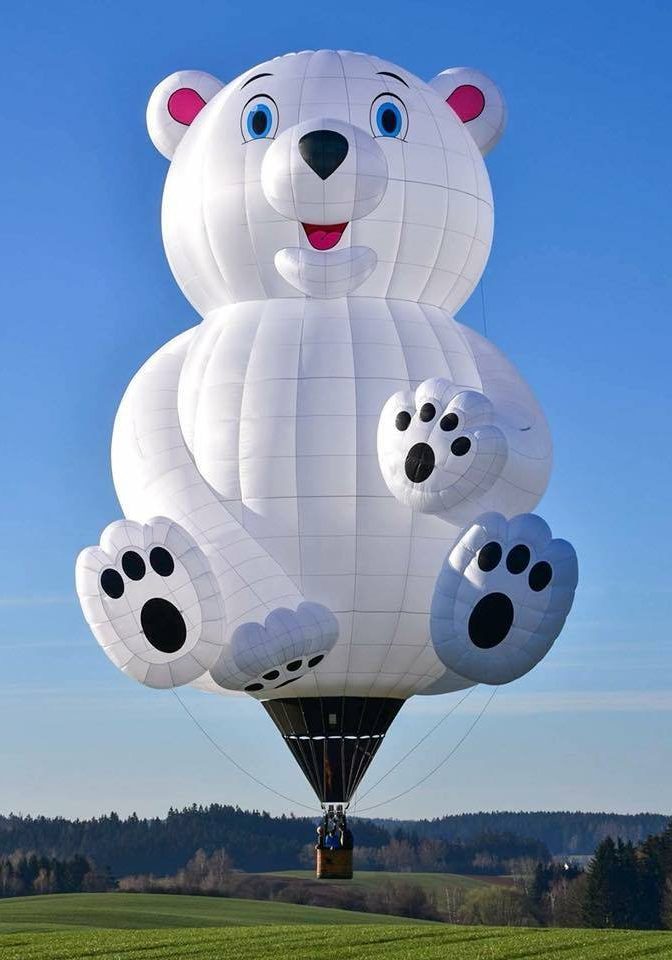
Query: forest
point(257, 841)
point(567, 833)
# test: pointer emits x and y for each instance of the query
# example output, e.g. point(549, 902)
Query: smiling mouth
point(324, 236)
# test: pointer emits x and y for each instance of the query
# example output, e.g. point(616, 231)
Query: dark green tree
point(627, 903)
point(601, 900)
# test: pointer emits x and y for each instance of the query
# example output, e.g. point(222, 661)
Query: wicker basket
point(333, 864)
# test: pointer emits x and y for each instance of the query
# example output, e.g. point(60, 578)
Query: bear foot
point(502, 598)
point(439, 450)
point(290, 644)
point(152, 601)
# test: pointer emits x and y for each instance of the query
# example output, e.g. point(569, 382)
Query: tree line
point(256, 842)
point(564, 832)
point(25, 874)
point(488, 854)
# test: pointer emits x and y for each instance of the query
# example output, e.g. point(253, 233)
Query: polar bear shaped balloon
point(327, 482)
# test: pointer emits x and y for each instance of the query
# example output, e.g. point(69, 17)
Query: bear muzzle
point(324, 173)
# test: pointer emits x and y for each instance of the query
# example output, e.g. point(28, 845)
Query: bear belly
point(279, 404)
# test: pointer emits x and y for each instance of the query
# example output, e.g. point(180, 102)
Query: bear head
point(327, 174)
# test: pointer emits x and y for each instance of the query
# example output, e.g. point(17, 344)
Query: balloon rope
point(416, 745)
point(485, 324)
point(218, 747)
point(439, 765)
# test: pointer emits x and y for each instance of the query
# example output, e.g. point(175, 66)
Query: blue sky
point(577, 293)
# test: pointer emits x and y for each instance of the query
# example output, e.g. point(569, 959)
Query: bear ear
point(476, 100)
point(175, 103)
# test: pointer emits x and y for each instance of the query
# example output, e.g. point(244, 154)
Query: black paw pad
point(294, 666)
point(489, 556)
point(163, 625)
point(112, 583)
point(449, 422)
point(161, 561)
point(419, 462)
point(518, 558)
point(490, 620)
point(540, 576)
point(403, 420)
point(460, 446)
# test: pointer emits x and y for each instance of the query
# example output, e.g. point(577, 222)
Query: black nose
point(324, 151)
point(419, 462)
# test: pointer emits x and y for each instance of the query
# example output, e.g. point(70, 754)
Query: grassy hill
point(141, 911)
point(161, 927)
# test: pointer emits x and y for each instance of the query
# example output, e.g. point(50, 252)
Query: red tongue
point(323, 237)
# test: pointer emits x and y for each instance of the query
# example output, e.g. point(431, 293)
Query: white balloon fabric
point(322, 438)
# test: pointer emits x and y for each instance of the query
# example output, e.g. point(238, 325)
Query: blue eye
point(259, 121)
point(388, 119)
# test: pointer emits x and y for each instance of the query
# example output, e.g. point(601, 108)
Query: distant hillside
point(563, 831)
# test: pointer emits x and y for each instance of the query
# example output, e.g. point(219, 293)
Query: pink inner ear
point(185, 104)
point(467, 101)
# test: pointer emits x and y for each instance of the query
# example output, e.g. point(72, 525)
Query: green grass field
point(142, 911)
point(161, 927)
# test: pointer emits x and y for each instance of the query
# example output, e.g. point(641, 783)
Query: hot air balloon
point(327, 483)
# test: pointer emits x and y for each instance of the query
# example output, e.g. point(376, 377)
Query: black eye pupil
point(403, 420)
point(259, 121)
point(427, 412)
point(389, 120)
point(449, 422)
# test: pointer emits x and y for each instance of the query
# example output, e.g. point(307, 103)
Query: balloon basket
point(333, 864)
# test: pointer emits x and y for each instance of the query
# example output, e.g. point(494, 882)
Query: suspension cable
point(220, 749)
point(485, 322)
point(445, 760)
point(419, 742)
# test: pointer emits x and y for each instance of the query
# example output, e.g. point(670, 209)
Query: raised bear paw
point(290, 644)
point(152, 601)
point(439, 449)
point(502, 598)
